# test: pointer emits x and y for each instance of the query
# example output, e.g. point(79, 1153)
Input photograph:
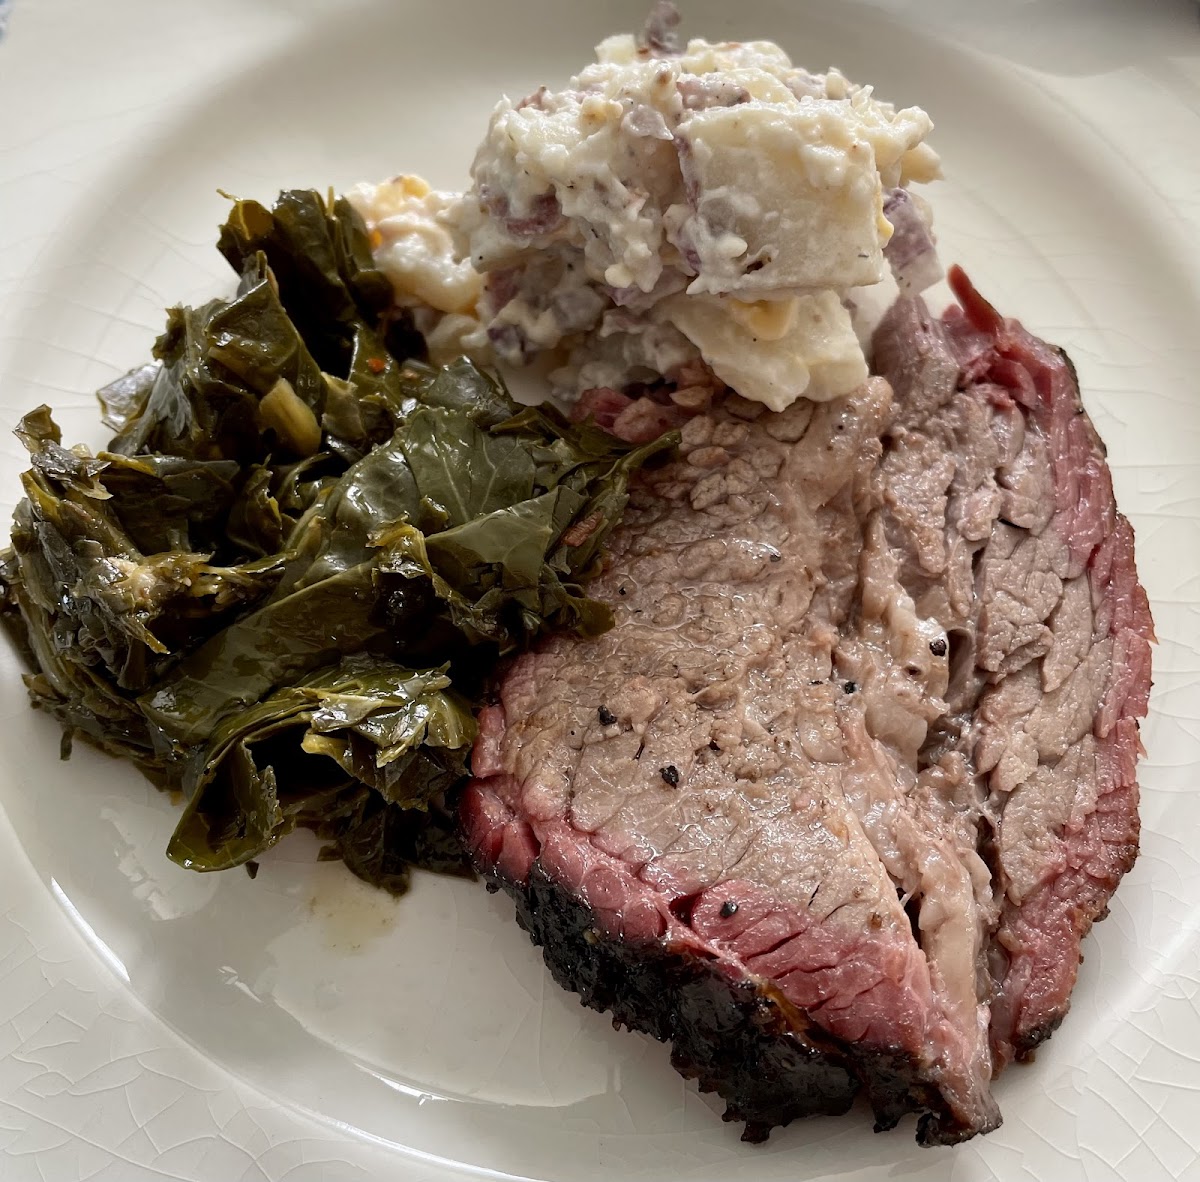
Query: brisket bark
point(834, 803)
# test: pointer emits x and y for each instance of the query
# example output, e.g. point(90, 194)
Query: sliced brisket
point(834, 803)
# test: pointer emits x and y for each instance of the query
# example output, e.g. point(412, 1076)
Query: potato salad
point(673, 205)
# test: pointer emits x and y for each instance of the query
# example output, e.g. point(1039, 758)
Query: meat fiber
point(833, 805)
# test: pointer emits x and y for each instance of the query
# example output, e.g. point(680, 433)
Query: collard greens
point(284, 583)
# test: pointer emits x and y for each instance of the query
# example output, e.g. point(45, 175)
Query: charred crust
point(1026, 1042)
point(1066, 358)
point(731, 1037)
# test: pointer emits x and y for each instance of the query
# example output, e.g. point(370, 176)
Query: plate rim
point(39, 946)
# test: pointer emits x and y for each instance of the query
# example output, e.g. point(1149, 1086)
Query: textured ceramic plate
point(159, 1025)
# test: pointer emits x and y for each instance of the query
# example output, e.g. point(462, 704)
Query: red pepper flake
point(376, 364)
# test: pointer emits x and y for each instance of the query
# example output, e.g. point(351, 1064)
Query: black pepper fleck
point(670, 775)
point(938, 647)
point(728, 909)
point(252, 869)
point(606, 716)
point(851, 687)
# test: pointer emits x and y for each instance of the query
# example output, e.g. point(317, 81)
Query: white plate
point(303, 1027)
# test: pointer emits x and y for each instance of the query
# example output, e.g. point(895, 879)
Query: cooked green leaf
point(381, 842)
point(461, 471)
point(255, 523)
point(305, 751)
point(512, 541)
point(280, 641)
point(299, 532)
point(123, 401)
point(459, 386)
point(103, 599)
point(321, 261)
point(168, 502)
point(376, 492)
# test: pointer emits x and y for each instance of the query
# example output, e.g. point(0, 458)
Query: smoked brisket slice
point(834, 803)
